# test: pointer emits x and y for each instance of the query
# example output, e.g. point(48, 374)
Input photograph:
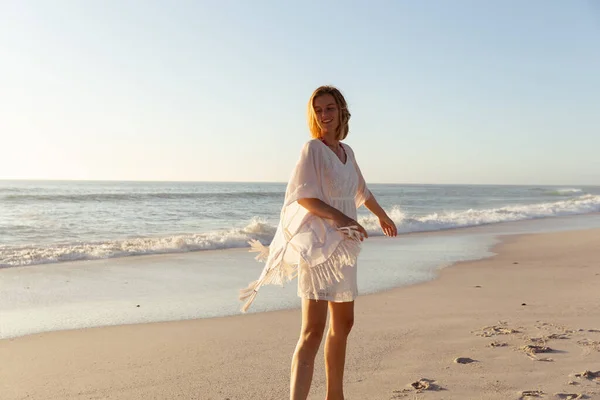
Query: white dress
point(305, 245)
point(341, 184)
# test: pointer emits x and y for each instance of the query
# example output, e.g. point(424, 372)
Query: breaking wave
point(259, 229)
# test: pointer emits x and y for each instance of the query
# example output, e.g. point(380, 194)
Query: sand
point(525, 323)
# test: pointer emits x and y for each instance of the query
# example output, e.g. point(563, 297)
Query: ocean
point(50, 222)
point(87, 254)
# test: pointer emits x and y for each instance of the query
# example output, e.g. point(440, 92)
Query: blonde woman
point(318, 240)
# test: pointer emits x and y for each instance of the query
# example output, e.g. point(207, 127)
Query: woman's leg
point(340, 325)
point(314, 318)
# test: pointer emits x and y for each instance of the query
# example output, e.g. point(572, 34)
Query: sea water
point(49, 222)
point(83, 254)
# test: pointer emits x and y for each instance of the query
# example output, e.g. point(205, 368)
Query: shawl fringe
point(258, 247)
point(330, 272)
point(322, 275)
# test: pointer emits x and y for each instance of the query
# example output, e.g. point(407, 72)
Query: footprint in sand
point(554, 336)
point(592, 344)
point(592, 376)
point(547, 326)
point(532, 351)
point(530, 394)
point(494, 330)
point(426, 384)
point(419, 386)
point(570, 396)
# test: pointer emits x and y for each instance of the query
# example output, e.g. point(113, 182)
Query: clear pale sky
point(495, 92)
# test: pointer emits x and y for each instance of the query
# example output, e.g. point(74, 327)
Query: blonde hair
point(344, 114)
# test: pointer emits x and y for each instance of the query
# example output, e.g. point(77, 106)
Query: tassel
point(247, 291)
point(352, 232)
point(258, 247)
point(249, 302)
point(249, 294)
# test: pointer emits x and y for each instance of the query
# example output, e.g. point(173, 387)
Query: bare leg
point(340, 325)
point(314, 318)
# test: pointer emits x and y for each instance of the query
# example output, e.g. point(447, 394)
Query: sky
point(441, 92)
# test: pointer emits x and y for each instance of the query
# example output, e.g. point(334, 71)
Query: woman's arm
point(324, 210)
point(387, 224)
point(373, 206)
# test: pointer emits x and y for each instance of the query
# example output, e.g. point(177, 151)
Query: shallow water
point(82, 294)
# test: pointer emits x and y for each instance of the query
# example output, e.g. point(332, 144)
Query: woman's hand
point(388, 226)
point(343, 220)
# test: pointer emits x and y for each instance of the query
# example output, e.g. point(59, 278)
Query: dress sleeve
point(362, 193)
point(306, 180)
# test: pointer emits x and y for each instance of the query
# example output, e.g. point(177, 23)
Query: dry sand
point(529, 318)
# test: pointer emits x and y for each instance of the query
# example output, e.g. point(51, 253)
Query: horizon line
point(282, 182)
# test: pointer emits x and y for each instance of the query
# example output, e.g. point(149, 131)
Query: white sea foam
point(460, 219)
point(263, 231)
point(565, 192)
point(29, 255)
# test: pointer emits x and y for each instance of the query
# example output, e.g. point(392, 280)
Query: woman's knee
point(342, 326)
point(342, 318)
point(312, 335)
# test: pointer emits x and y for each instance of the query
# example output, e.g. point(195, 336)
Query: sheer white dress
point(341, 185)
point(322, 256)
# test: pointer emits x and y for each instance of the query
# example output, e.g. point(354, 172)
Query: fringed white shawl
point(303, 236)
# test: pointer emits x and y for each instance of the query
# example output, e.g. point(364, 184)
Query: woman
point(318, 239)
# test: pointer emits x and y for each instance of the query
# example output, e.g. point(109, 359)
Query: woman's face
point(326, 112)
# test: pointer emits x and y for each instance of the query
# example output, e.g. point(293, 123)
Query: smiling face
point(327, 113)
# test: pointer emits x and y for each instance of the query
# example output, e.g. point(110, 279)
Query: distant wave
point(561, 192)
point(92, 197)
point(566, 192)
point(258, 229)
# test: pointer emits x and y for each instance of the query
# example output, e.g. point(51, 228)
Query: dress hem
point(332, 299)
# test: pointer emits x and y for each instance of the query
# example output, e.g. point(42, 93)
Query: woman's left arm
point(366, 198)
point(387, 225)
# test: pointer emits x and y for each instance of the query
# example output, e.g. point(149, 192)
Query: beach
point(538, 290)
point(169, 170)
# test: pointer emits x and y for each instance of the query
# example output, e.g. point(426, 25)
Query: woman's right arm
point(324, 210)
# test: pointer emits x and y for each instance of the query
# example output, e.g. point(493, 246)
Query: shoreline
point(555, 275)
point(184, 286)
point(488, 227)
